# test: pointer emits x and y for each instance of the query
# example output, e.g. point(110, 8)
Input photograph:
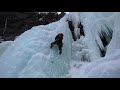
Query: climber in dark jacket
point(58, 41)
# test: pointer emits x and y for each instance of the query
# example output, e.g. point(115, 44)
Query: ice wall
point(108, 66)
point(94, 24)
point(30, 54)
point(4, 46)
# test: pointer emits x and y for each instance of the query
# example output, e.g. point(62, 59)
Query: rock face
point(19, 22)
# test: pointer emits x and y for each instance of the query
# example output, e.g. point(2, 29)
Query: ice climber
point(58, 41)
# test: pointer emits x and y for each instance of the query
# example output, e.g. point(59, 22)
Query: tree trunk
point(5, 27)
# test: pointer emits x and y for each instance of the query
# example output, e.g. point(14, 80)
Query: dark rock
point(81, 29)
point(19, 22)
point(71, 27)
